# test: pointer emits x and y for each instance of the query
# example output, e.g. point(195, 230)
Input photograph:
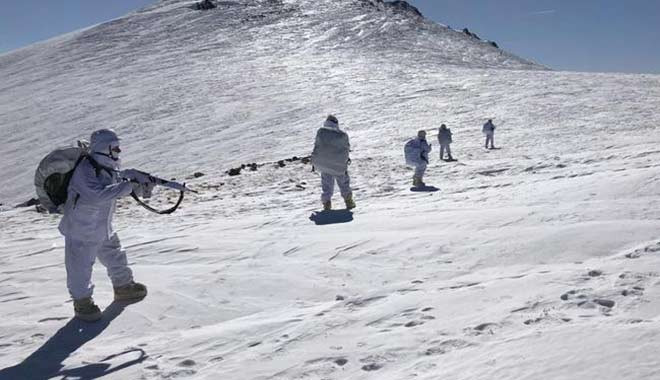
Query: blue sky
point(26, 22)
point(578, 35)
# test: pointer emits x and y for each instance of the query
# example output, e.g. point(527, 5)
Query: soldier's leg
point(344, 183)
point(419, 172)
point(79, 259)
point(113, 257)
point(327, 187)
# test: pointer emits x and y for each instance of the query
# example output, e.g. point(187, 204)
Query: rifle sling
point(161, 212)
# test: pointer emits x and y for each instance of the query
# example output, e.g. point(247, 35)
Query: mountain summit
point(216, 74)
point(373, 28)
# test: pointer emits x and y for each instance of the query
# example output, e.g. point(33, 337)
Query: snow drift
point(533, 261)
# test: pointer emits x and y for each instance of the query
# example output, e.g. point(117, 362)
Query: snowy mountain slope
point(536, 261)
point(222, 76)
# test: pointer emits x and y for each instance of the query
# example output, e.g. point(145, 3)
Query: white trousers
point(420, 169)
point(444, 147)
point(490, 137)
point(79, 257)
point(328, 186)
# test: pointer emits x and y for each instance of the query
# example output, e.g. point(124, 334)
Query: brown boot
point(327, 206)
point(130, 292)
point(350, 203)
point(86, 310)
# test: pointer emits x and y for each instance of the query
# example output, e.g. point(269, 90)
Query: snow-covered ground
point(536, 261)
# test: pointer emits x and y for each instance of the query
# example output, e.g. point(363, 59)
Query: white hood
point(106, 161)
point(329, 124)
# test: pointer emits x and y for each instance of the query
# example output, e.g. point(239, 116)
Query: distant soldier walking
point(444, 139)
point(489, 130)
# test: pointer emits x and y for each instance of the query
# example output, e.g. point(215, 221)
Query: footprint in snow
point(372, 367)
point(461, 286)
point(187, 363)
point(443, 347)
point(414, 323)
point(182, 373)
point(572, 294)
point(407, 318)
point(362, 302)
point(634, 284)
point(340, 361)
point(604, 302)
point(637, 253)
point(584, 301)
point(485, 327)
point(635, 291)
point(595, 273)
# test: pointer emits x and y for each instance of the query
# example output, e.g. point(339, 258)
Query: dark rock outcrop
point(397, 5)
point(473, 35)
point(404, 6)
point(204, 5)
point(234, 171)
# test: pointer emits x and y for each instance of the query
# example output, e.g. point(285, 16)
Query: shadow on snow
point(424, 189)
point(47, 361)
point(322, 218)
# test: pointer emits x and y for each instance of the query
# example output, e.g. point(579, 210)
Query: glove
point(349, 161)
point(143, 190)
point(147, 189)
point(135, 176)
point(142, 182)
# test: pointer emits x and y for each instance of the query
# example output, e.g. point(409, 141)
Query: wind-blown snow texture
point(536, 261)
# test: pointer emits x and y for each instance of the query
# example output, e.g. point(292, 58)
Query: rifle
point(149, 181)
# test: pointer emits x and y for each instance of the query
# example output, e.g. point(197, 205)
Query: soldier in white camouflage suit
point(87, 226)
point(331, 158)
point(417, 156)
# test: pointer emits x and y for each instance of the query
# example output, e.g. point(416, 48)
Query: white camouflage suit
point(444, 139)
point(330, 157)
point(87, 223)
point(416, 152)
point(489, 130)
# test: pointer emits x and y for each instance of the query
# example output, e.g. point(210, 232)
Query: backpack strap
point(70, 174)
point(97, 167)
